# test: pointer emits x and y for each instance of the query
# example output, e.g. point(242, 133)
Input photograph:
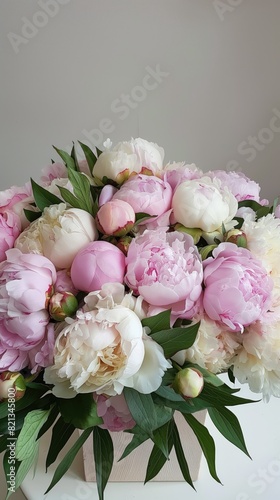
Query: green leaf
point(181, 456)
point(103, 451)
point(80, 411)
point(254, 205)
point(231, 376)
point(161, 438)
point(51, 419)
point(141, 217)
point(31, 215)
point(157, 459)
point(205, 251)
point(220, 396)
point(145, 412)
point(89, 155)
point(42, 197)
point(206, 442)
point(142, 409)
point(68, 459)
point(68, 160)
point(61, 434)
point(81, 187)
point(74, 158)
point(137, 439)
point(158, 322)
point(228, 425)
point(25, 465)
point(98, 151)
point(33, 422)
point(195, 232)
point(69, 197)
point(3, 443)
point(176, 339)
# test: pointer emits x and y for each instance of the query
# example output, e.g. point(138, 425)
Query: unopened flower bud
point(236, 236)
point(62, 304)
point(188, 382)
point(12, 385)
point(116, 218)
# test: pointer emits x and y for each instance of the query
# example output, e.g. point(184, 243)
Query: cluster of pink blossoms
point(166, 235)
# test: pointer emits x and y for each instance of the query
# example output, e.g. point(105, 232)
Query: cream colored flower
point(58, 234)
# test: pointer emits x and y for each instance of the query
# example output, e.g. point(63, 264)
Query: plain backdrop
point(201, 78)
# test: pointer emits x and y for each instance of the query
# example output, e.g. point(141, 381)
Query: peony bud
point(237, 237)
point(12, 385)
point(188, 382)
point(116, 217)
point(62, 304)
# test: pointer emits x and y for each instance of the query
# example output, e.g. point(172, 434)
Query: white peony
point(106, 349)
point(203, 203)
point(257, 360)
point(213, 348)
point(58, 234)
point(136, 156)
point(263, 240)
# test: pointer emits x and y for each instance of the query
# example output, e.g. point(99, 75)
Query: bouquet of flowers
point(126, 286)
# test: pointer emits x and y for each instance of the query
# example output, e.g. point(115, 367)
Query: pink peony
point(115, 218)
point(64, 283)
point(99, 263)
point(14, 195)
point(54, 171)
point(237, 287)
point(114, 412)
point(10, 227)
point(176, 173)
point(166, 270)
point(241, 186)
point(146, 193)
point(25, 283)
point(106, 194)
point(41, 356)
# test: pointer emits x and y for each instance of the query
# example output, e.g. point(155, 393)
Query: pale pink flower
point(114, 412)
point(238, 289)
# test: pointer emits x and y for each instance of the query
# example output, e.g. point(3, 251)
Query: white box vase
point(133, 467)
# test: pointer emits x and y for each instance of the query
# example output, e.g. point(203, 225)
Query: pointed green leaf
point(51, 419)
point(68, 459)
point(206, 442)
point(68, 160)
point(220, 396)
point(161, 439)
point(33, 422)
point(158, 322)
point(98, 151)
point(89, 155)
point(176, 339)
point(81, 187)
point(80, 411)
point(61, 433)
point(141, 217)
point(205, 251)
point(142, 409)
point(137, 439)
point(181, 457)
point(195, 232)
point(157, 459)
point(103, 451)
point(31, 215)
point(69, 198)
point(74, 158)
point(42, 197)
point(25, 465)
point(228, 425)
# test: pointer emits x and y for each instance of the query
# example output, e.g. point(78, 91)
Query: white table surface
point(242, 478)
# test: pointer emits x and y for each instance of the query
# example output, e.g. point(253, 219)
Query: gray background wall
point(78, 70)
